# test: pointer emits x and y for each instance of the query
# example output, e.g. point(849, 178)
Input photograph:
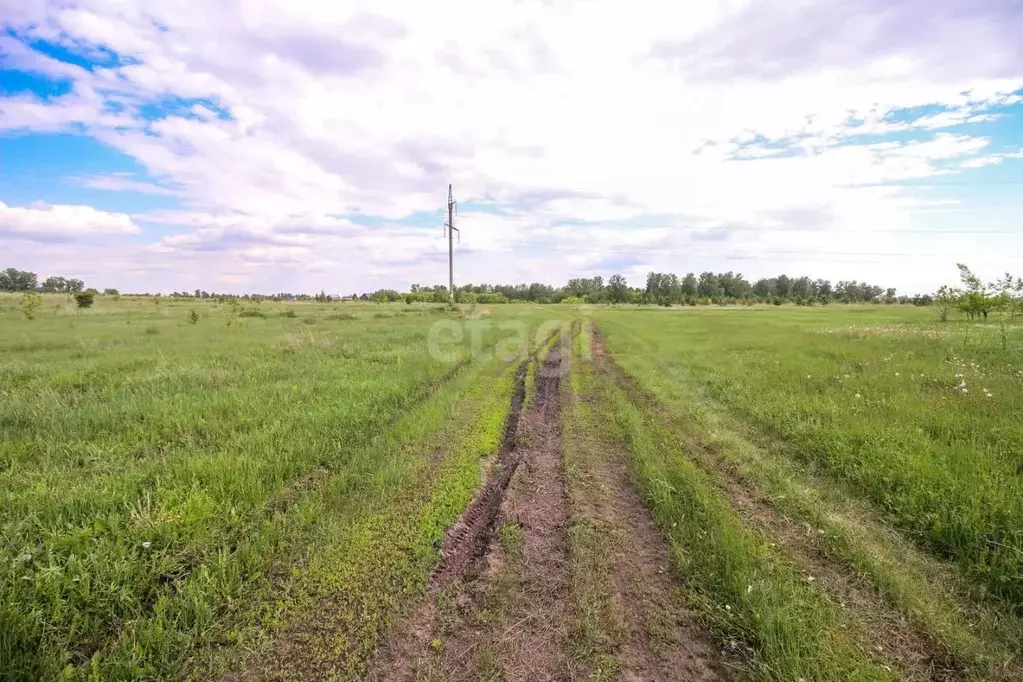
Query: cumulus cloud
point(40, 222)
point(279, 123)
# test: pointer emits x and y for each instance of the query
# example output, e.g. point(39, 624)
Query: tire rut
point(525, 640)
point(661, 639)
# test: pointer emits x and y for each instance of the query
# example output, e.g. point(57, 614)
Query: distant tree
point(689, 286)
point(617, 289)
point(111, 292)
point(709, 286)
point(974, 300)
point(822, 290)
point(765, 288)
point(782, 285)
point(1010, 294)
point(54, 285)
point(801, 289)
point(13, 279)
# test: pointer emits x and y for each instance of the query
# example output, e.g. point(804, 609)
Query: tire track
point(884, 632)
point(526, 638)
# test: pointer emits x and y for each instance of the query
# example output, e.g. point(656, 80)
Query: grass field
point(262, 491)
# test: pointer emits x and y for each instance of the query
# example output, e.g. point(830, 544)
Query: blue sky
point(255, 146)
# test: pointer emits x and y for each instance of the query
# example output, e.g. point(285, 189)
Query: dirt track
point(447, 637)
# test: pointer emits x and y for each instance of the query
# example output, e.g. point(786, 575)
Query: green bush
point(85, 299)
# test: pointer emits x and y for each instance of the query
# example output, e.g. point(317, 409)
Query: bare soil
point(662, 638)
point(493, 608)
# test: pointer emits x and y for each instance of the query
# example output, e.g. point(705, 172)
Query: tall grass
point(144, 458)
point(921, 418)
point(741, 585)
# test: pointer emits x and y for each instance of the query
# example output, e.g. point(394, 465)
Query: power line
point(567, 225)
point(643, 251)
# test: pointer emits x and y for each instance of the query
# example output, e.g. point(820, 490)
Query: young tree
point(30, 303)
point(974, 301)
point(946, 299)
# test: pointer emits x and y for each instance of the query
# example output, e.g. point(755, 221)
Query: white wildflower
point(147, 544)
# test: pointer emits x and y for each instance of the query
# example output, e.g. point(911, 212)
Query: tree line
point(13, 279)
point(975, 298)
point(664, 289)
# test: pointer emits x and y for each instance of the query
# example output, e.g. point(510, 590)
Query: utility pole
point(451, 244)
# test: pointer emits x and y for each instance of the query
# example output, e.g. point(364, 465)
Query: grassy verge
point(980, 636)
point(918, 417)
point(741, 585)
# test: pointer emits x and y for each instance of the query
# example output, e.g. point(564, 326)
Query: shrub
point(84, 299)
point(193, 317)
point(289, 313)
point(248, 312)
point(30, 303)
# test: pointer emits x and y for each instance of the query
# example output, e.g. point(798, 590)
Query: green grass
point(150, 467)
point(186, 494)
point(743, 588)
point(872, 397)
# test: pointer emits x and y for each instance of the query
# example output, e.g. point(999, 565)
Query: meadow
point(195, 489)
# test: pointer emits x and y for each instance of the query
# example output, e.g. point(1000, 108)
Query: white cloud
point(718, 115)
point(55, 223)
point(123, 182)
